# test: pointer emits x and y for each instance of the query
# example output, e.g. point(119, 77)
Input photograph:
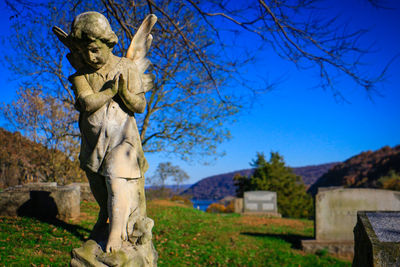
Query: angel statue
point(109, 90)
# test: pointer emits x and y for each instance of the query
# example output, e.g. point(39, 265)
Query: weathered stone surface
point(10, 202)
point(238, 205)
point(386, 225)
point(109, 90)
point(336, 215)
point(45, 200)
point(92, 255)
point(368, 249)
point(87, 255)
point(260, 202)
point(336, 210)
point(86, 193)
point(138, 251)
point(67, 199)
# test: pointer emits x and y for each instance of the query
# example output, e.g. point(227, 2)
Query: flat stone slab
point(369, 250)
point(42, 200)
point(386, 225)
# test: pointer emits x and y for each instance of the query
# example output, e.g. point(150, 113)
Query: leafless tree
point(195, 96)
point(167, 170)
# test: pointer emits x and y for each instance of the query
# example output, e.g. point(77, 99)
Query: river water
point(202, 204)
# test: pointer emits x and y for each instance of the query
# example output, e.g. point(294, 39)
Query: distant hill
point(23, 161)
point(220, 186)
point(173, 187)
point(310, 174)
point(362, 170)
point(215, 187)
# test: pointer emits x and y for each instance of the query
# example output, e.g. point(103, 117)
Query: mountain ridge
point(222, 185)
point(362, 170)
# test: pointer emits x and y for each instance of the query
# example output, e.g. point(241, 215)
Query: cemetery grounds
point(183, 236)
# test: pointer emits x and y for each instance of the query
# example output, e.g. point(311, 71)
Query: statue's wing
point(73, 57)
point(141, 43)
point(62, 36)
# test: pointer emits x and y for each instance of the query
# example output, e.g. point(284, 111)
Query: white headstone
point(260, 201)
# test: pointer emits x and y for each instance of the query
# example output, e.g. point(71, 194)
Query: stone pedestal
point(138, 251)
point(86, 193)
point(92, 254)
point(377, 239)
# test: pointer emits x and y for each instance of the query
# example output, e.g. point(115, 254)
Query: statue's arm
point(89, 100)
point(133, 98)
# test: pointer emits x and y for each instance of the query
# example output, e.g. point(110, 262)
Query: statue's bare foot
point(124, 235)
point(114, 243)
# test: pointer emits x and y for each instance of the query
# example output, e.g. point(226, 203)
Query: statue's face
point(96, 54)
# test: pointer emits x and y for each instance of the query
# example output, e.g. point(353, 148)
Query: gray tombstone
point(260, 202)
point(336, 216)
point(377, 239)
point(336, 210)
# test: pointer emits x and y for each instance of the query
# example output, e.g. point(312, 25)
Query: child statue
point(108, 91)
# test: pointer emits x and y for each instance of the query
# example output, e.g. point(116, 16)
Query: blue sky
point(305, 124)
point(308, 125)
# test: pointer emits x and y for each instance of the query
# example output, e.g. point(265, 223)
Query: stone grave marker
point(377, 239)
point(336, 216)
point(263, 202)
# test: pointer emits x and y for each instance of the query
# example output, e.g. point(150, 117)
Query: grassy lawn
point(183, 237)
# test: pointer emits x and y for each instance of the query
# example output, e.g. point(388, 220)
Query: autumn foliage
point(216, 208)
point(23, 161)
point(182, 199)
point(390, 181)
point(370, 169)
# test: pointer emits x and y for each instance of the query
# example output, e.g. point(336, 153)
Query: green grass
point(30, 242)
point(182, 236)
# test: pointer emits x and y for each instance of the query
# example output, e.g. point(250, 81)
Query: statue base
point(91, 254)
point(139, 251)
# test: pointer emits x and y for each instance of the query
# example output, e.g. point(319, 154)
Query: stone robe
point(111, 143)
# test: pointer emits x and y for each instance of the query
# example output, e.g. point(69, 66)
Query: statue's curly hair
point(90, 26)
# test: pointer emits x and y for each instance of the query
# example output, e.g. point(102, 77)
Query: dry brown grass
point(167, 203)
point(254, 220)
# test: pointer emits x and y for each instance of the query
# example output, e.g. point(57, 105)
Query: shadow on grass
point(74, 229)
point(42, 207)
point(294, 240)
